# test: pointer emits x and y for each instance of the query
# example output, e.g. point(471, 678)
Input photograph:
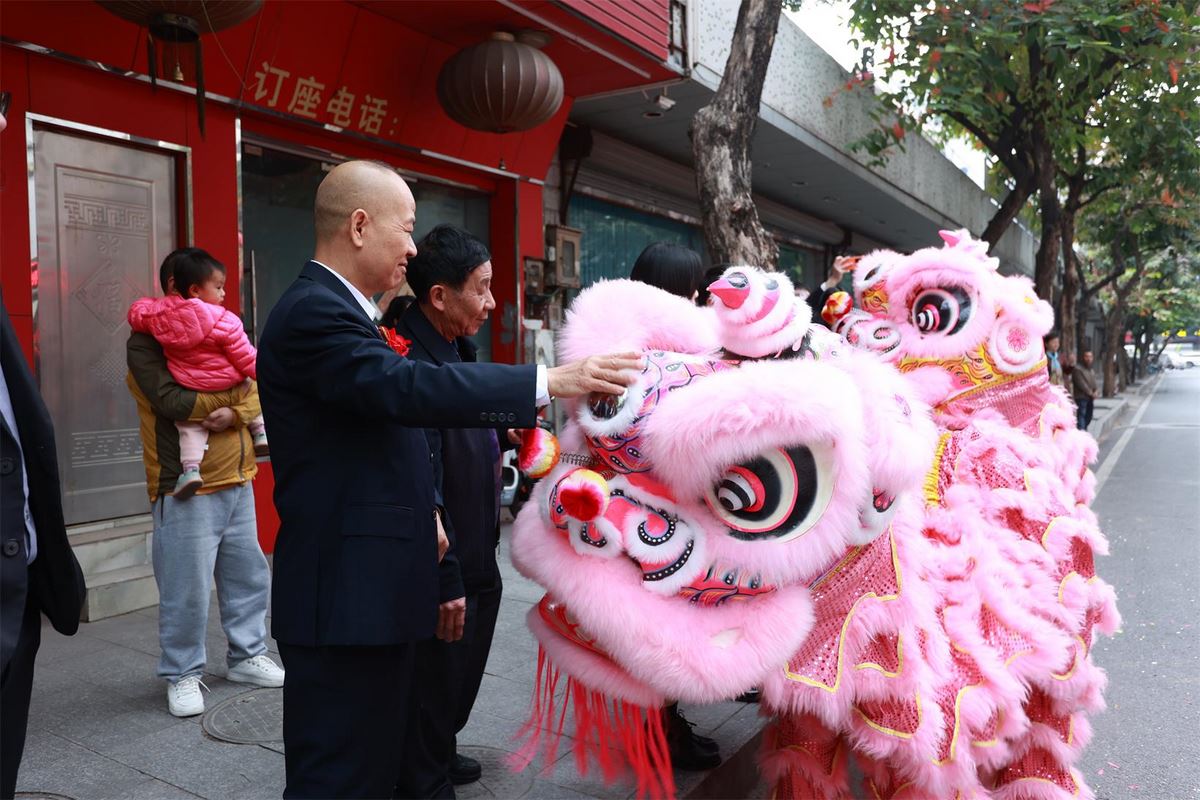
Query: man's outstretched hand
point(608, 374)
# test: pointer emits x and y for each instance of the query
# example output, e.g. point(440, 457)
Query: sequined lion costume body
point(739, 521)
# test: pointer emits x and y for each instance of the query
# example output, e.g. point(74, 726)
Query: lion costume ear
point(951, 238)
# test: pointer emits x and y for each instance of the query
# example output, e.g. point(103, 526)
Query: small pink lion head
point(948, 312)
point(713, 493)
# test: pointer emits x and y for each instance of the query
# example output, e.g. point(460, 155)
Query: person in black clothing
point(451, 276)
point(672, 268)
point(40, 573)
point(816, 298)
point(677, 269)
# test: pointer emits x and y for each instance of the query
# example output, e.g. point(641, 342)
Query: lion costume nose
point(583, 494)
point(732, 296)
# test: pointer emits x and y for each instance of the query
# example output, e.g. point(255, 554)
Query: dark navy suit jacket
point(54, 578)
point(356, 557)
point(466, 472)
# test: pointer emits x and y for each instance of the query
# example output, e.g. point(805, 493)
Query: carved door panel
point(106, 218)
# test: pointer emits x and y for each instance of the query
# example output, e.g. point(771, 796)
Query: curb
point(1112, 418)
point(737, 776)
point(1128, 401)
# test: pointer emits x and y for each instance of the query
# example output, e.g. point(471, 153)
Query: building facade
point(104, 171)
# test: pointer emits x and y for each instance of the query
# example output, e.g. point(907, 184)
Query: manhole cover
point(255, 717)
point(498, 778)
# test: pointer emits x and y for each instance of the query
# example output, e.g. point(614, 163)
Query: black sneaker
point(463, 770)
point(689, 751)
point(750, 696)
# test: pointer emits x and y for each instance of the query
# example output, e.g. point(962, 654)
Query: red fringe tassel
point(611, 731)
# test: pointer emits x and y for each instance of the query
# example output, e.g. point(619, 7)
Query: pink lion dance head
point(728, 488)
point(949, 314)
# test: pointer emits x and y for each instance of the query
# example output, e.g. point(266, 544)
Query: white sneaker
point(184, 698)
point(260, 671)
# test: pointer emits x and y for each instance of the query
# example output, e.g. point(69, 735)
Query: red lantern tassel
point(609, 730)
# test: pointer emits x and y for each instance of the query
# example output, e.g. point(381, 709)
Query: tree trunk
point(1046, 265)
point(1114, 335)
point(1072, 334)
point(722, 134)
point(1009, 209)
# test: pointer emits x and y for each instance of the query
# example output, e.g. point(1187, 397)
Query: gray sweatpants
point(193, 539)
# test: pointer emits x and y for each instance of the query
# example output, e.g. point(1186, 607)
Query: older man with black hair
point(451, 278)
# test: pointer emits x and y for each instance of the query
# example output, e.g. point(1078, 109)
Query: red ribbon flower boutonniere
point(395, 340)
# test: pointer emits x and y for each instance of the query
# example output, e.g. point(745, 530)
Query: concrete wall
point(800, 77)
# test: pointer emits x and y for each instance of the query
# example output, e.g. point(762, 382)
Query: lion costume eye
point(941, 310)
point(779, 495)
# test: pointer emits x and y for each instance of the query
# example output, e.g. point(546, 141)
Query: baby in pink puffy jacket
point(207, 350)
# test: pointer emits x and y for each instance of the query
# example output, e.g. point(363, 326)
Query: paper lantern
point(503, 85)
point(181, 22)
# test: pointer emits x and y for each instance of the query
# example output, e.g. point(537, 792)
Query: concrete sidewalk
point(99, 727)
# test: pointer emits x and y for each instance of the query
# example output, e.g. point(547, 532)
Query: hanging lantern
point(182, 22)
point(503, 85)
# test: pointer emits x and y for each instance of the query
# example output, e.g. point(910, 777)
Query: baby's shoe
point(260, 445)
point(188, 483)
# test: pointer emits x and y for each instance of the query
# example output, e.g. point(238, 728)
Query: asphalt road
point(1147, 744)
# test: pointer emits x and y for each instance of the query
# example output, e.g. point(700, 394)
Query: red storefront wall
point(307, 66)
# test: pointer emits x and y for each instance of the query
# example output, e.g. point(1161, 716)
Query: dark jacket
point(54, 577)
point(356, 557)
point(466, 472)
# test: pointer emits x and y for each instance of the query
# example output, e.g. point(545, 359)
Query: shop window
point(803, 266)
point(278, 189)
point(614, 236)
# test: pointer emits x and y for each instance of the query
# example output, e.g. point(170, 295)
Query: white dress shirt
point(542, 390)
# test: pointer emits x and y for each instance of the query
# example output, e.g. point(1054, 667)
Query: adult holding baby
point(201, 500)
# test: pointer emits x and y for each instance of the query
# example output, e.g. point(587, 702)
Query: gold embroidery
point(899, 661)
point(892, 731)
point(1070, 772)
point(837, 681)
point(932, 495)
point(1082, 649)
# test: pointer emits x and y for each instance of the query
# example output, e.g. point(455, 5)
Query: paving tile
point(55, 647)
point(511, 700)
point(487, 729)
point(545, 790)
point(53, 764)
point(154, 789)
point(115, 668)
point(184, 757)
point(105, 722)
point(132, 630)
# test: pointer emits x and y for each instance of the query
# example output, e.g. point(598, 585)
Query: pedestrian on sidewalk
point(451, 277)
point(1053, 363)
point(213, 533)
point(1083, 382)
point(361, 535)
point(678, 270)
point(206, 349)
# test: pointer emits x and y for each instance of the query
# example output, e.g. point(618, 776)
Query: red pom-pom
point(539, 452)
point(583, 494)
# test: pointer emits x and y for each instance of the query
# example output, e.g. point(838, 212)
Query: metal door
point(106, 217)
